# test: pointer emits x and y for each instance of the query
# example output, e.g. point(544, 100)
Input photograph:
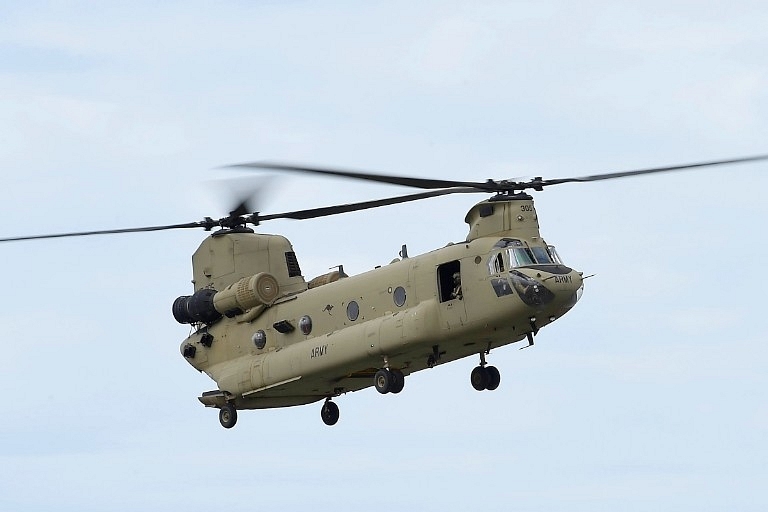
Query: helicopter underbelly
point(346, 361)
point(310, 389)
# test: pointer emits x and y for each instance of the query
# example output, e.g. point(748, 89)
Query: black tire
point(479, 378)
point(383, 381)
point(494, 378)
point(398, 381)
point(329, 413)
point(228, 416)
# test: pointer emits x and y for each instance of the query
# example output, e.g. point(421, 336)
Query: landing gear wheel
point(398, 381)
point(480, 378)
point(329, 413)
point(228, 416)
point(494, 378)
point(383, 381)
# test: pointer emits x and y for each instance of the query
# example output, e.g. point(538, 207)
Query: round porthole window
point(353, 310)
point(259, 339)
point(305, 324)
point(399, 296)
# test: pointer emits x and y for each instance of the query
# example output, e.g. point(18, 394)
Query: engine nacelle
point(247, 293)
point(208, 305)
point(190, 309)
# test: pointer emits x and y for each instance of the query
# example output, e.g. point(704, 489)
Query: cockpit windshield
point(541, 255)
point(519, 254)
point(512, 253)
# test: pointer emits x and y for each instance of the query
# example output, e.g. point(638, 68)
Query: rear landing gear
point(329, 413)
point(399, 381)
point(495, 378)
point(227, 415)
point(389, 381)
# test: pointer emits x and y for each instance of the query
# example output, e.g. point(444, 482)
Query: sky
point(650, 393)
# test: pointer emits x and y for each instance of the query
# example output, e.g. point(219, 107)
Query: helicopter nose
point(554, 285)
point(568, 287)
point(580, 290)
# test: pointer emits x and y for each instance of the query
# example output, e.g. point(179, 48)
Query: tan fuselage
point(408, 315)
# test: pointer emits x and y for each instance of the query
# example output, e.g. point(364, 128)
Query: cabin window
point(259, 339)
point(353, 310)
point(305, 325)
point(399, 296)
point(449, 281)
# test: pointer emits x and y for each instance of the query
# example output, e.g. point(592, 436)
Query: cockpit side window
point(553, 253)
point(496, 264)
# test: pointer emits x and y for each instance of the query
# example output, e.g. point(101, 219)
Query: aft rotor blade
point(353, 207)
point(406, 181)
point(652, 170)
point(107, 232)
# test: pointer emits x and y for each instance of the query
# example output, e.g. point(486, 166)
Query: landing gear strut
point(227, 415)
point(329, 413)
point(485, 377)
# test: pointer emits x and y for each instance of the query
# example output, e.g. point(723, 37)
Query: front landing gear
point(485, 377)
point(329, 413)
point(227, 415)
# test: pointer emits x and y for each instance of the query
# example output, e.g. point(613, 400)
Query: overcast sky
point(650, 394)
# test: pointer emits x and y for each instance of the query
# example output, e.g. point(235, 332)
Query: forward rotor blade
point(406, 181)
point(353, 207)
point(653, 170)
point(107, 232)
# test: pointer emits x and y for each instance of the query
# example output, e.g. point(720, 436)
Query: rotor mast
point(512, 215)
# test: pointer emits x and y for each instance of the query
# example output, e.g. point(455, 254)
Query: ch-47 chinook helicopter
point(269, 338)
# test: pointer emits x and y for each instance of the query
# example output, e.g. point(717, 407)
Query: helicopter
point(270, 338)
